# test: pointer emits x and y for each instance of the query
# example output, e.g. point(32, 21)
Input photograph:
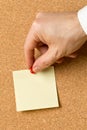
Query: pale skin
point(55, 35)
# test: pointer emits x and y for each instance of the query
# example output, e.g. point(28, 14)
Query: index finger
point(29, 46)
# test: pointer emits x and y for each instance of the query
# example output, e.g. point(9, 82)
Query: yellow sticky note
point(35, 91)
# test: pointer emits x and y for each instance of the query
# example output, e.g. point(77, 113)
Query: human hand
point(55, 35)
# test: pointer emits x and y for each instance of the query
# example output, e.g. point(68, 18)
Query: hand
point(55, 35)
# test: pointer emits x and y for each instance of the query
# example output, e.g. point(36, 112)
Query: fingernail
point(31, 70)
point(36, 69)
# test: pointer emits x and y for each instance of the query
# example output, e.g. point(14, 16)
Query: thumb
point(44, 61)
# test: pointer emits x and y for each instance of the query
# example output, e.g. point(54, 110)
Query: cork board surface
point(16, 17)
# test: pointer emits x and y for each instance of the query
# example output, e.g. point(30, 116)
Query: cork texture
point(16, 17)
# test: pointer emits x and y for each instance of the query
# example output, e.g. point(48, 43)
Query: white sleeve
point(82, 16)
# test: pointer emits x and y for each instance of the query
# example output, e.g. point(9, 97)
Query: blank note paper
point(35, 91)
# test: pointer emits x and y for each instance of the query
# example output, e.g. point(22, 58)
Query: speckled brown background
point(16, 17)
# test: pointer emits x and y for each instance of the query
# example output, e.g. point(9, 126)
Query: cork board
point(71, 76)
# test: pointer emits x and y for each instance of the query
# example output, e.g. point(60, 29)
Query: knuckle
point(36, 25)
point(39, 15)
point(36, 22)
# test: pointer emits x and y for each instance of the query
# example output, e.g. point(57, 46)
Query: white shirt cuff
point(82, 16)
